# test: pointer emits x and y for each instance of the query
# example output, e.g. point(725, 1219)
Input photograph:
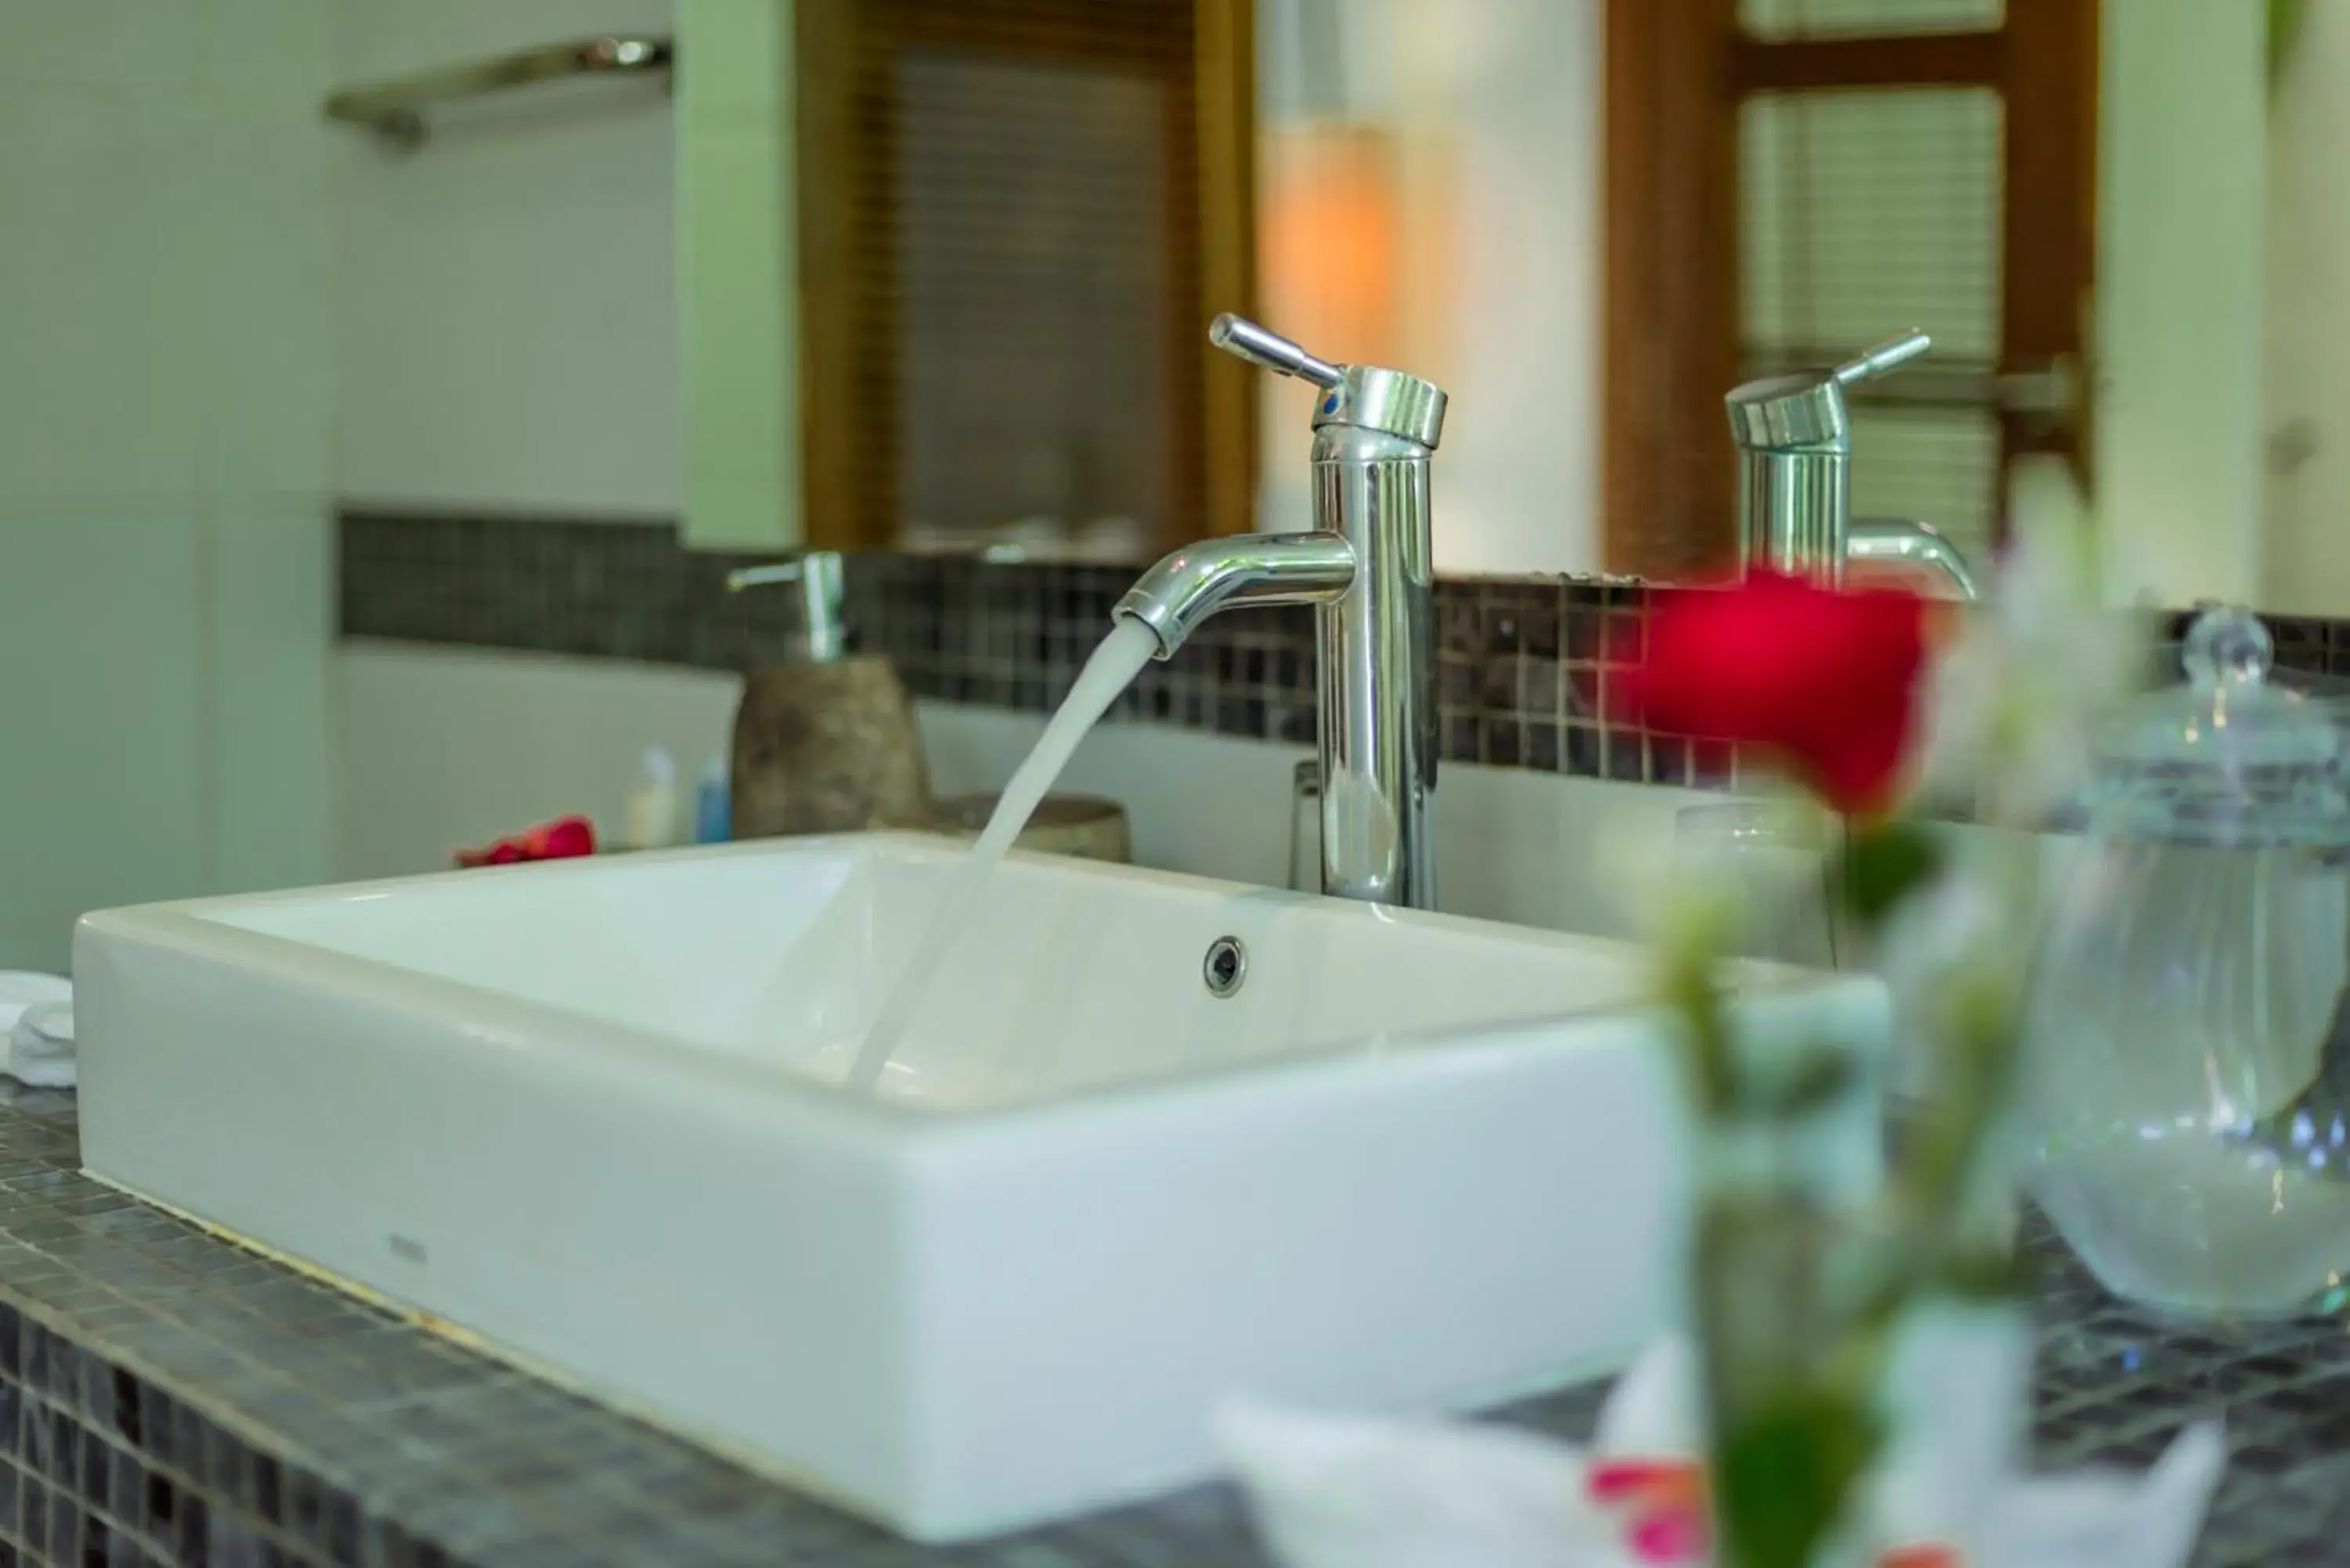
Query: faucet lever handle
point(1240, 336)
point(1885, 359)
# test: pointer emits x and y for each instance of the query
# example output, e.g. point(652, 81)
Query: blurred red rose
point(1826, 680)
point(562, 839)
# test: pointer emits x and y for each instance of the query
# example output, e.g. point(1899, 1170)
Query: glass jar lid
point(2227, 758)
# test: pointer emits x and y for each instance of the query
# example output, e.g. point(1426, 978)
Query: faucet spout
point(1906, 543)
point(1197, 580)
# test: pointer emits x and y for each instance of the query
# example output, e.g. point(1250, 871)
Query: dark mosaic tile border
point(1522, 665)
point(169, 1399)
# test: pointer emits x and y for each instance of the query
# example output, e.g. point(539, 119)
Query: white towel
point(41, 1047)
point(37, 1032)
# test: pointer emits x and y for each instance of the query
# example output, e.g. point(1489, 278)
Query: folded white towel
point(41, 1047)
point(36, 1033)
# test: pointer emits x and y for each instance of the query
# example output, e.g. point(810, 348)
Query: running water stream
point(1114, 665)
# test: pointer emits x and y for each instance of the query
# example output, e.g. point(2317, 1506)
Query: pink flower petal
point(1673, 1537)
point(1621, 1481)
point(1920, 1554)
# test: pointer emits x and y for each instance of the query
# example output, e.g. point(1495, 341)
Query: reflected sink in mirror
point(589, 1112)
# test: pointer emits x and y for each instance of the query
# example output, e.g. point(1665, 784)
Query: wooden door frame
point(1676, 72)
point(1224, 56)
point(1670, 320)
point(828, 163)
point(2053, 77)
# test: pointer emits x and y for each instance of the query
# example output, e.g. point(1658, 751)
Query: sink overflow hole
point(1225, 967)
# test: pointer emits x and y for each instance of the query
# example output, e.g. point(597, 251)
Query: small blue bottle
point(713, 804)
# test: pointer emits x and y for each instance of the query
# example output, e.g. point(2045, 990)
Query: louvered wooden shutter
point(1013, 215)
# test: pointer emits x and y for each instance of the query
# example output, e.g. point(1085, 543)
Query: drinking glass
point(1776, 858)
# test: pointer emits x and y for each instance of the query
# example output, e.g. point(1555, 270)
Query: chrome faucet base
point(1367, 567)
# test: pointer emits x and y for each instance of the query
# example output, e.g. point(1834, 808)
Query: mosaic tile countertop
point(168, 1397)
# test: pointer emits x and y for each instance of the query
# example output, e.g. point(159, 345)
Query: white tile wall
point(165, 383)
point(147, 44)
point(261, 57)
point(103, 795)
point(2182, 221)
point(262, 252)
point(738, 321)
point(438, 747)
point(98, 325)
point(269, 607)
point(2306, 570)
point(506, 319)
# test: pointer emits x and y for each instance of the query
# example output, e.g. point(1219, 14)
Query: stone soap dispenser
point(826, 744)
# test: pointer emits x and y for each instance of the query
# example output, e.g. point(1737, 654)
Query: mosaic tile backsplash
point(1522, 672)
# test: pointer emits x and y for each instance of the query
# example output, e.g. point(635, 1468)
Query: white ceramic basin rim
point(1073, 978)
point(590, 1112)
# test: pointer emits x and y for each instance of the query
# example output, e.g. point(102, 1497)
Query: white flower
point(2010, 704)
point(1365, 1492)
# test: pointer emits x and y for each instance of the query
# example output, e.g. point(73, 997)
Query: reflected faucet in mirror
point(1366, 568)
point(1794, 434)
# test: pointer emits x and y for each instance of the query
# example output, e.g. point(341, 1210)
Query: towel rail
point(394, 110)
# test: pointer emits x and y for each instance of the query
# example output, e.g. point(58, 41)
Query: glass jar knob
point(2228, 646)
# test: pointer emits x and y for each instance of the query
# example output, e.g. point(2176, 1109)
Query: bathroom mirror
point(1006, 223)
point(732, 285)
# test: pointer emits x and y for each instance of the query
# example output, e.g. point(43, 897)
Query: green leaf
point(1980, 1274)
point(1789, 1091)
point(1783, 1472)
point(1882, 864)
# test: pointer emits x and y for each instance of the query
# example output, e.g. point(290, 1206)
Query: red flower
point(561, 839)
point(1825, 679)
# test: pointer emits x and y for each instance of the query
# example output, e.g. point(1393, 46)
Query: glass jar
point(2187, 1056)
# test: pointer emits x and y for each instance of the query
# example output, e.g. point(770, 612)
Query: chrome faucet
point(1366, 568)
point(1794, 434)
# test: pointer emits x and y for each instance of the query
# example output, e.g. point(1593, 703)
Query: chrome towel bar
point(394, 110)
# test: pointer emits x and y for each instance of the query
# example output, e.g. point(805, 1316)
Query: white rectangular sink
point(589, 1112)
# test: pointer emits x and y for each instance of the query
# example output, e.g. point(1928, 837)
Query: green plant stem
point(1693, 988)
point(1793, 1369)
